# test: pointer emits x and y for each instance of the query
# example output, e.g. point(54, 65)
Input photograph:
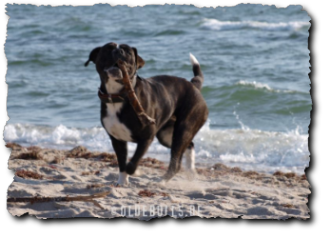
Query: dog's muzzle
point(111, 98)
point(115, 72)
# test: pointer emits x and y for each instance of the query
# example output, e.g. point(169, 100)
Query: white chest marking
point(112, 86)
point(112, 124)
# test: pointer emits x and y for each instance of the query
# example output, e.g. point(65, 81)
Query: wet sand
point(59, 184)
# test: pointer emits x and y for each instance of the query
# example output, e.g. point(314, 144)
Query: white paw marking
point(189, 155)
point(123, 179)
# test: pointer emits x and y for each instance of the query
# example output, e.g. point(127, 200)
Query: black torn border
point(318, 23)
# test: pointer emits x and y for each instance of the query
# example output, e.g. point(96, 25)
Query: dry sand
point(216, 191)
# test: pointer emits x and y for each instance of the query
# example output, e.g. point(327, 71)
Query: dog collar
point(111, 98)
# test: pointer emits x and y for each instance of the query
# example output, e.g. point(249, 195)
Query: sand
point(215, 191)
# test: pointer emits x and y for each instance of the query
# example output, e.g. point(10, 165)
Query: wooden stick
point(88, 198)
point(144, 118)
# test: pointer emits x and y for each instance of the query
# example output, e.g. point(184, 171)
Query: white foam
point(255, 85)
point(254, 149)
point(244, 127)
point(10, 133)
point(263, 86)
point(244, 147)
point(56, 137)
point(214, 24)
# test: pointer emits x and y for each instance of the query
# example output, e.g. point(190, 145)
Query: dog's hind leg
point(189, 156)
point(182, 137)
point(188, 123)
point(120, 147)
point(165, 136)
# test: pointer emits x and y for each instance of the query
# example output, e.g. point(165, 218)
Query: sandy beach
point(80, 183)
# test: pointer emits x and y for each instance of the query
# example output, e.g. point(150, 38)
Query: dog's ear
point(93, 55)
point(139, 61)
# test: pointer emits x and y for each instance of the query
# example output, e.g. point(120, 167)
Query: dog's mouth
point(120, 81)
point(115, 73)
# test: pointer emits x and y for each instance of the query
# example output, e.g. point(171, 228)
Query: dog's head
point(105, 58)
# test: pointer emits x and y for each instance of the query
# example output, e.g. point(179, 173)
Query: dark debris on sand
point(58, 156)
point(28, 174)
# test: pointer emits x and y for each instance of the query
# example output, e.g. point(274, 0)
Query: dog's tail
point(198, 78)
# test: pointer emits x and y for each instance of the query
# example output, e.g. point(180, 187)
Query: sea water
point(255, 61)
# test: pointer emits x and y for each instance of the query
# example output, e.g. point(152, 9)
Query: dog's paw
point(114, 184)
point(138, 172)
point(130, 168)
point(126, 185)
point(157, 182)
point(122, 180)
point(117, 185)
point(191, 174)
point(168, 176)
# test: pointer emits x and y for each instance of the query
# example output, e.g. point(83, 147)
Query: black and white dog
point(175, 103)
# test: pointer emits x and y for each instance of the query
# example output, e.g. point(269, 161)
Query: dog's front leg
point(120, 148)
point(142, 147)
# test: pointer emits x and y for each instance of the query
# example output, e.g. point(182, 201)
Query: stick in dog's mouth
point(144, 118)
point(120, 80)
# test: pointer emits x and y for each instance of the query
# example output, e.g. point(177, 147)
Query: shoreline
point(216, 191)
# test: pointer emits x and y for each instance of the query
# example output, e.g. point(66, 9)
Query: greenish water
point(255, 60)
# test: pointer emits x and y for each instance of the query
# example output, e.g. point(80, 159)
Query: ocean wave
point(263, 86)
point(214, 24)
point(254, 85)
point(249, 149)
point(170, 33)
point(37, 62)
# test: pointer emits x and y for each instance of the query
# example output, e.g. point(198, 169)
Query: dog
point(175, 103)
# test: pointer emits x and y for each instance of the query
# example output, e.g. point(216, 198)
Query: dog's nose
point(119, 53)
